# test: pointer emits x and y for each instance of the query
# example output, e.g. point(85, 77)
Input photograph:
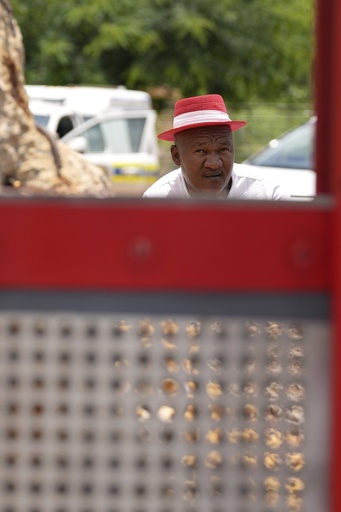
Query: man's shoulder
point(166, 185)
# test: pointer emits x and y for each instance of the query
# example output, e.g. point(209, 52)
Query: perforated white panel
point(131, 414)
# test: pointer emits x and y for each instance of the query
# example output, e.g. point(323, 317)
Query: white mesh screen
point(100, 413)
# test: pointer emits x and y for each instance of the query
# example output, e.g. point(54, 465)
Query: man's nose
point(213, 161)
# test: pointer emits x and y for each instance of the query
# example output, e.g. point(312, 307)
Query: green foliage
point(242, 49)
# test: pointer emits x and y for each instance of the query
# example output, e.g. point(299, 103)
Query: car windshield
point(294, 150)
point(115, 135)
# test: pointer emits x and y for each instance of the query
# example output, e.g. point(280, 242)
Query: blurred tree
point(243, 49)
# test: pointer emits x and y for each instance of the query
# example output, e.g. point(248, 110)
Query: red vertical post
point(335, 159)
point(334, 107)
point(328, 167)
point(321, 87)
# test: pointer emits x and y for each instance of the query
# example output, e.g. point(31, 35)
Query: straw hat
point(207, 110)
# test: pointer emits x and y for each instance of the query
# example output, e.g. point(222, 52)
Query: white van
point(123, 142)
point(112, 127)
point(57, 119)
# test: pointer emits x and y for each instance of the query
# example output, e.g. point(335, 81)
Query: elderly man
point(203, 150)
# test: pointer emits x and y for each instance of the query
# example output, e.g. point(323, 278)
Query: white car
point(288, 161)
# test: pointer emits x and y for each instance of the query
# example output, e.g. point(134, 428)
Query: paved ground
point(129, 189)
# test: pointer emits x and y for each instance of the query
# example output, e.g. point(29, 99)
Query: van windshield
point(115, 135)
point(41, 120)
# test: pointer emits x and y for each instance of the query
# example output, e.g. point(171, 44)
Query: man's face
point(206, 157)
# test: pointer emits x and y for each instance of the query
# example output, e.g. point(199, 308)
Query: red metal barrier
point(139, 339)
point(160, 246)
point(112, 245)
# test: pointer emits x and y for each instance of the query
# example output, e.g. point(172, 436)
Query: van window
point(115, 136)
point(65, 125)
point(94, 139)
point(41, 120)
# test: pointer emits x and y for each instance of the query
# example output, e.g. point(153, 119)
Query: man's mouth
point(213, 175)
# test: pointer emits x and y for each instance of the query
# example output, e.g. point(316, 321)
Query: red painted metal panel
point(144, 245)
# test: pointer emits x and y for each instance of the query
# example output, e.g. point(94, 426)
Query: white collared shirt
point(244, 186)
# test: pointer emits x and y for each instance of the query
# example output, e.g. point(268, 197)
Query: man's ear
point(175, 154)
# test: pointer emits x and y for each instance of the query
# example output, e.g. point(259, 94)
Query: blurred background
point(258, 54)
